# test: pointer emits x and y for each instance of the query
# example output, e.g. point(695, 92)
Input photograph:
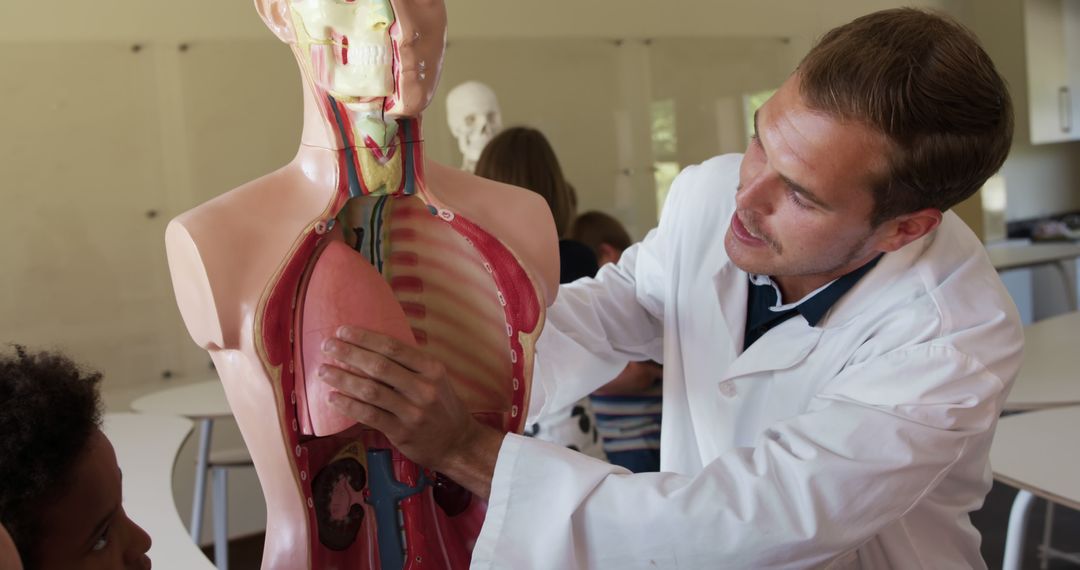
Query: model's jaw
point(347, 49)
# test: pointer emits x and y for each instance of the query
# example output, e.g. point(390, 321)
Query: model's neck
point(377, 155)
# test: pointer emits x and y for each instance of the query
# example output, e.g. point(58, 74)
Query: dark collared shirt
point(764, 311)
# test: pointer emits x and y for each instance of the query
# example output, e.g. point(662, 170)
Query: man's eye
point(799, 202)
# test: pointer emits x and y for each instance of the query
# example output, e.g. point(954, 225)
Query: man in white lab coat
point(836, 345)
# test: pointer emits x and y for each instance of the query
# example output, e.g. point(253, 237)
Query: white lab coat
point(867, 435)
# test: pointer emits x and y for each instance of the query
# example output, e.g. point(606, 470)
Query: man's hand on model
point(398, 390)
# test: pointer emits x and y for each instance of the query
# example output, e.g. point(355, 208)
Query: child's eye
point(102, 541)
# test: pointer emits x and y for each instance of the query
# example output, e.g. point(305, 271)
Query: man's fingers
point(415, 387)
point(367, 414)
point(402, 353)
point(366, 390)
point(364, 362)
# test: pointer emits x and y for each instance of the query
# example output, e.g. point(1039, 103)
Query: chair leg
point(1048, 529)
point(221, 517)
point(1014, 540)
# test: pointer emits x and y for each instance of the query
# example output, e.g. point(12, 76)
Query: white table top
point(1050, 373)
point(1017, 256)
point(146, 448)
point(1023, 454)
point(203, 400)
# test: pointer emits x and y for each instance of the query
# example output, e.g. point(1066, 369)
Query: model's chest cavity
point(395, 268)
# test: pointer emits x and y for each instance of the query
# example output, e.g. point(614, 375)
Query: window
point(665, 147)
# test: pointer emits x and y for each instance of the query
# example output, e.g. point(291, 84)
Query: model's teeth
point(368, 55)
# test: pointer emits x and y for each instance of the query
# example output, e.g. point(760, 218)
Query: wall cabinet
point(1052, 32)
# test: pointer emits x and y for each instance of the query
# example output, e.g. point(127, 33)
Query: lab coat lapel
point(781, 348)
point(731, 290)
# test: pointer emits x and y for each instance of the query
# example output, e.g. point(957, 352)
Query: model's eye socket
point(470, 120)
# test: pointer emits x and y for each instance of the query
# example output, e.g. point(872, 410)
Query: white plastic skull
point(474, 116)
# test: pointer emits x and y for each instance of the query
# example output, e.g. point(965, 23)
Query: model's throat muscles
point(378, 155)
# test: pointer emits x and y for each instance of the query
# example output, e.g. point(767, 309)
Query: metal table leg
point(221, 517)
point(202, 460)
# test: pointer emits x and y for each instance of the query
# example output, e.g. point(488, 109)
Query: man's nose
point(755, 194)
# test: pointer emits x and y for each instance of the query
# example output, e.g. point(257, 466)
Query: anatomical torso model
point(361, 230)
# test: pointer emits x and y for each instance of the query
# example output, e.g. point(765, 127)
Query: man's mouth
point(747, 233)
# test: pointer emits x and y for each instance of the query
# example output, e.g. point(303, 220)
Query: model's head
point(390, 51)
point(523, 157)
point(61, 493)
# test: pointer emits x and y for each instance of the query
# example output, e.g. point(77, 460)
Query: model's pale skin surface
point(232, 258)
point(86, 527)
point(9, 556)
point(805, 238)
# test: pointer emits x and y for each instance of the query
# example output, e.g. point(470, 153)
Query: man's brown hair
point(597, 228)
point(922, 80)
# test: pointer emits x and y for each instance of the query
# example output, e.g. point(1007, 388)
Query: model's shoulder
point(454, 184)
point(222, 253)
point(520, 218)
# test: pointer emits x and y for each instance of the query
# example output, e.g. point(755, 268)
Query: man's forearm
point(473, 465)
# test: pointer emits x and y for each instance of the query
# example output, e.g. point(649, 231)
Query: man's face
point(85, 527)
point(804, 201)
point(373, 50)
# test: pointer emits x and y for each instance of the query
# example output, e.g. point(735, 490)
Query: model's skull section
point(474, 116)
point(419, 38)
point(338, 501)
point(348, 45)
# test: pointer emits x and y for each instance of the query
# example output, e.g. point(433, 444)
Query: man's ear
point(275, 14)
point(905, 229)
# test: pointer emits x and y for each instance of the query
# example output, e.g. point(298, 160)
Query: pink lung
point(329, 301)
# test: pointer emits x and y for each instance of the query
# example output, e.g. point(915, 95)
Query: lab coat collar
point(877, 284)
point(790, 343)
